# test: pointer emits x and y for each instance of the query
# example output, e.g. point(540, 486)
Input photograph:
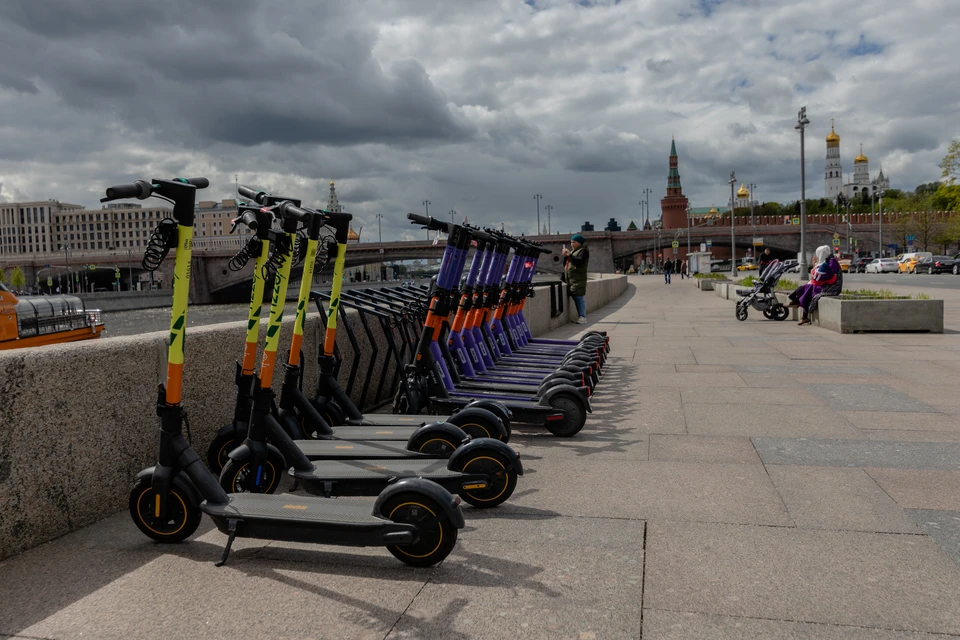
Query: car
point(935, 264)
point(956, 265)
point(748, 265)
point(860, 265)
point(882, 265)
point(908, 261)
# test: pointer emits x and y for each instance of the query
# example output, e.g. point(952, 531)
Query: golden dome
point(833, 140)
point(860, 159)
point(714, 211)
point(743, 192)
point(352, 235)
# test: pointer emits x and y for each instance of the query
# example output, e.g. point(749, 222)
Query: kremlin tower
point(673, 207)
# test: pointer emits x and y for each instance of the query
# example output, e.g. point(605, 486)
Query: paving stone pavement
point(736, 480)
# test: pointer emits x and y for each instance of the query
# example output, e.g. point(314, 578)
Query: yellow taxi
point(748, 265)
point(908, 261)
point(844, 265)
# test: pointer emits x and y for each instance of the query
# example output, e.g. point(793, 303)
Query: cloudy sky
point(474, 106)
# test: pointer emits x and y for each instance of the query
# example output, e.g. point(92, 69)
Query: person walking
point(683, 270)
point(764, 261)
point(576, 259)
point(667, 270)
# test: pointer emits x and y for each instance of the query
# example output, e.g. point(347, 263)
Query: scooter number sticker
point(462, 357)
point(473, 355)
point(483, 349)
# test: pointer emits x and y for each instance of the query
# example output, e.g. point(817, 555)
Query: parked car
point(908, 261)
point(956, 264)
point(860, 265)
point(748, 265)
point(935, 264)
point(883, 265)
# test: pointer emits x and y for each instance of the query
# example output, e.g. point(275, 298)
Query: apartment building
point(35, 228)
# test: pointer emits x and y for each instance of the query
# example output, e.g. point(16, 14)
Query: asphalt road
point(941, 281)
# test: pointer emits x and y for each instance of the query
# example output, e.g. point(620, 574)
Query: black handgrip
point(336, 216)
point(429, 222)
point(252, 194)
point(288, 210)
point(141, 189)
point(424, 220)
point(248, 218)
point(199, 183)
point(478, 234)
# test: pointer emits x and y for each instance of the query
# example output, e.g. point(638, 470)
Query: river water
point(128, 323)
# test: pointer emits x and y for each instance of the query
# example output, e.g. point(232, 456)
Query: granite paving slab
point(868, 397)
point(920, 488)
point(942, 526)
point(858, 453)
point(719, 395)
point(900, 421)
point(769, 380)
point(911, 436)
point(889, 581)
point(684, 448)
point(796, 369)
point(681, 625)
point(828, 498)
point(749, 419)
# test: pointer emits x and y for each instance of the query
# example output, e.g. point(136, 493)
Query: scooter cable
point(162, 239)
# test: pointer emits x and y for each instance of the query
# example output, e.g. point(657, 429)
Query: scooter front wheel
point(241, 476)
point(501, 480)
point(436, 536)
point(182, 519)
point(574, 415)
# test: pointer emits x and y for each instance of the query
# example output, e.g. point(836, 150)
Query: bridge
point(213, 281)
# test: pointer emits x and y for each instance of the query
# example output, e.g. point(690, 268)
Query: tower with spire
point(333, 205)
point(833, 172)
point(743, 197)
point(673, 206)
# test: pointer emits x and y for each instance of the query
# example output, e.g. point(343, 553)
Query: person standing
point(765, 260)
point(667, 270)
point(576, 260)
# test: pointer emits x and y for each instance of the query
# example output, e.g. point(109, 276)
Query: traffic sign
point(46, 266)
point(909, 242)
point(116, 274)
point(796, 221)
point(836, 236)
point(709, 243)
point(836, 242)
point(92, 267)
point(675, 244)
point(758, 242)
point(911, 238)
point(49, 281)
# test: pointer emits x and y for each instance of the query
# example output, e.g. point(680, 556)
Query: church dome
point(352, 235)
point(743, 192)
point(713, 211)
point(860, 159)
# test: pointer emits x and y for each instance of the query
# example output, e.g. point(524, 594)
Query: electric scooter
point(561, 409)
point(483, 471)
point(295, 413)
point(416, 520)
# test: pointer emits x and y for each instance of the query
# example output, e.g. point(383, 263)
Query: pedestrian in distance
point(667, 270)
point(765, 259)
point(576, 259)
point(683, 270)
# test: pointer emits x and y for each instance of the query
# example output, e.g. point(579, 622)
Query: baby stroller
point(762, 296)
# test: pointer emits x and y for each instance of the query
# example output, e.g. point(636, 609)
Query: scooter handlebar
point(288, 210)
point(199, 183)
point(248, 218)
point(252, 194)
point(141, 189)
point(428, 222)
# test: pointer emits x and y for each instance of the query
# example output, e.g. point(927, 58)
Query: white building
point(833, 171)
point(856, 187)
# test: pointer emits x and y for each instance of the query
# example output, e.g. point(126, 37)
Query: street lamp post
point(733, 233)
point(130, 267)
point(646, 201)
point(688, 233)
point(880, 217)
point(379, 217)
point(453, 213)
point(66, 257)
point(537, 197)
point(426, 207)
point(753, 201)
point(801, 125)
point(548, 209)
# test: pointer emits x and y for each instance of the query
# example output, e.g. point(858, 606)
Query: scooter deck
point(364, 450)
point(369, 477)
point(378, 419)
point(387, 433)
point(294, 509)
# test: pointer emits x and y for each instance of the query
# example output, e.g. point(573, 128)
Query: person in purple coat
point(826, 279)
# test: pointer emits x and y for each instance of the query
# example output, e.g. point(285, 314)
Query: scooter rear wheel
point(437, 537)
point(183, 517)
point(219, 450)
point(434, 444)
point(239, 476)
point(501, 481)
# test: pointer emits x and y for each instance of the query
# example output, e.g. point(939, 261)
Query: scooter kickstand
point(232, 528)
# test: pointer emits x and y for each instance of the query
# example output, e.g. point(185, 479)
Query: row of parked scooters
point(474, 357)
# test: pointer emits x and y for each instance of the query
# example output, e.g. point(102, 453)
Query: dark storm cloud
point(240, 72)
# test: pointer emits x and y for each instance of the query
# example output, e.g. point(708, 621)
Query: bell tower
point(832, 172)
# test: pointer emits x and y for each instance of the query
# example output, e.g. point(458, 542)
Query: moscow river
point(128, 323)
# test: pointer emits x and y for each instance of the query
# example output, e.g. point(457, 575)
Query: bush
point(783, 285)
point(710, 276)
point(880, 294)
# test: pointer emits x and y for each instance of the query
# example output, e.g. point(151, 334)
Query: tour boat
point(30, 321)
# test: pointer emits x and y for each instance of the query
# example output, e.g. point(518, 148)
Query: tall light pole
point(66, 257)
point(130, 267)
point(881, 222)
point(537, 197)
point(379, 217)
point(548, 209)
point(646, 201)
point(733, 234)
point(426, 207)
point(688, 234)
point(453, 213)
point(753, 201)
point(801, 125)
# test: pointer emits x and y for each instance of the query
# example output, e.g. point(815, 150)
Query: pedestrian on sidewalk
point(826, 279)
point(764, 261)
point(667, 270)
point(576, 259)
point(683, 270)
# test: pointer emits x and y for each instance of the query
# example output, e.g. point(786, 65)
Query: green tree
point(951, 162)
point(947, 198)
point(17, 279)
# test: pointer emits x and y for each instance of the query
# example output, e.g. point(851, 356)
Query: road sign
point(911, 238)
point(92, 267)
point(758, 242)
point(46, 266)
point(909, 242)
point(116, 274)
point(703, 247)
point(836, 242)
point(836, 236)
point(49, 281)
point(796, 221)
point(674, 244)
point(709, 243)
